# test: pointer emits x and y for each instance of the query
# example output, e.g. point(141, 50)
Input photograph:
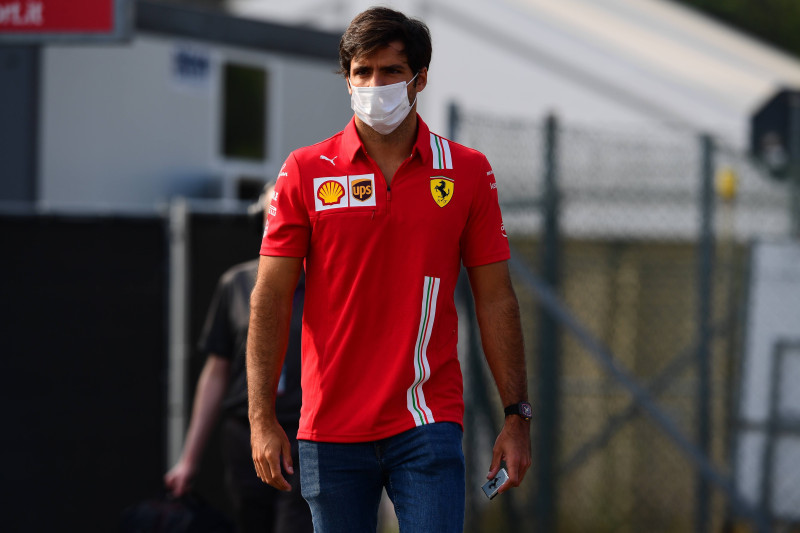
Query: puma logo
point(328, 159)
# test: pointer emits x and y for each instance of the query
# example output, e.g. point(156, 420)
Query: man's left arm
point(497, 311)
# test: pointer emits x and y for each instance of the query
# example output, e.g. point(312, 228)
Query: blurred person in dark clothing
point(223, 387)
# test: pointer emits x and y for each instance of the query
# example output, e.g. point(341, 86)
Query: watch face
point(525, 410)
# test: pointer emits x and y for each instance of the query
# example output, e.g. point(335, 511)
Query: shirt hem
point(489, 259)
point(366, 437)
point(281, 253)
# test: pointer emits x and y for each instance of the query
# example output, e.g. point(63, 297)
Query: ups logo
point(362, 189)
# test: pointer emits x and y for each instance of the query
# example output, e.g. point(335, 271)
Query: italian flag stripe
point(415, 397)
point(441, 153)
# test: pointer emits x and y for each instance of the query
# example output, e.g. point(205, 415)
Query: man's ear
point(347, 81)
point(422, 79)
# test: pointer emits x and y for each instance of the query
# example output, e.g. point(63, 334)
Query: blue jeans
point(422, 470)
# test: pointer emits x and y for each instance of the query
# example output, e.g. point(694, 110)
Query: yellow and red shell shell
point(330, 192)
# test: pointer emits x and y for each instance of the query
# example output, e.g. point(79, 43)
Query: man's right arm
point(267, 338)
point(211, 388)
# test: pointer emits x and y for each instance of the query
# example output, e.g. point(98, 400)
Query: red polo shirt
point(380, 325)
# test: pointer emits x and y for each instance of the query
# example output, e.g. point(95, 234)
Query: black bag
point(167, 514)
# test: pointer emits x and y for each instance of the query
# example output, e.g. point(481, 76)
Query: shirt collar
point(351, 142)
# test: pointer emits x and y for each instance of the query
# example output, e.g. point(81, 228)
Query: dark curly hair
point(375, 28)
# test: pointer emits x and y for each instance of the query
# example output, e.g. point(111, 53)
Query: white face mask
point(382, 108)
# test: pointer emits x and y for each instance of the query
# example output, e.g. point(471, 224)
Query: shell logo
point(330, 192)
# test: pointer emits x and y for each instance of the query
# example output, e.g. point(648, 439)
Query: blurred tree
point(774, 21)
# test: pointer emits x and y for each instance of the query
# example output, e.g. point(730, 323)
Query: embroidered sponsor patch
point(362, 190)
point(442, 190)
point(330, 193)
point(344, 191)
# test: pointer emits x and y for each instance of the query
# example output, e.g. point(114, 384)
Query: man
point(382, 215)
point(223, 385)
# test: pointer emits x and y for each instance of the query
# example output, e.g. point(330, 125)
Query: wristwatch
point(522, 409)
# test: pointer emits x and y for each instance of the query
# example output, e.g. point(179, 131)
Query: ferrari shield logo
point(442, 190)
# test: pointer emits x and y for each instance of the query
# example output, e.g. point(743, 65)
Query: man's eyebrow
point(381, 67)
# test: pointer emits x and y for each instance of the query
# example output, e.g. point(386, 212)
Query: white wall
point(316, 101)
point(481, 73)
point(603, 62)
point(774, 317)
point(119, 129)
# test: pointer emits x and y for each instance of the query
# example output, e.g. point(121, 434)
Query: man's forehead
point(397, 46)
point(394, 48)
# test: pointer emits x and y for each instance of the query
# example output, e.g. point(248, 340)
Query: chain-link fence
point(781, 465)
point(645, 235)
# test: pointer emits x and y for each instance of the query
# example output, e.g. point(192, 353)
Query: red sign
point(57, 16)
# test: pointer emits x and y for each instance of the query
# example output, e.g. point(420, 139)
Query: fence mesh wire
point(630, 221)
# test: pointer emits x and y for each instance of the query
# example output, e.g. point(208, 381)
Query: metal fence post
point(452, 120)
point(794, 164)
point(178, 327)
point(548, 382)
point(705, 254)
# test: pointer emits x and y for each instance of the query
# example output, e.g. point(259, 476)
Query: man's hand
point(271, 449)
point(179, 478)
point(267, 338)
point(513, 446)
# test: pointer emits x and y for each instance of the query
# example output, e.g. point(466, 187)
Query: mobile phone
point(491, 487)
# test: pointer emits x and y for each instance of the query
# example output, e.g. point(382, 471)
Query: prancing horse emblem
point(442, 190)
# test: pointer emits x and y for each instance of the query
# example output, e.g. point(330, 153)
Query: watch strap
point(522, 409)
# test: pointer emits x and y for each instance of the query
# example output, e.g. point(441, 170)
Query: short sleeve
point(288, 228)
point(484, 239)
point(216, 336)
